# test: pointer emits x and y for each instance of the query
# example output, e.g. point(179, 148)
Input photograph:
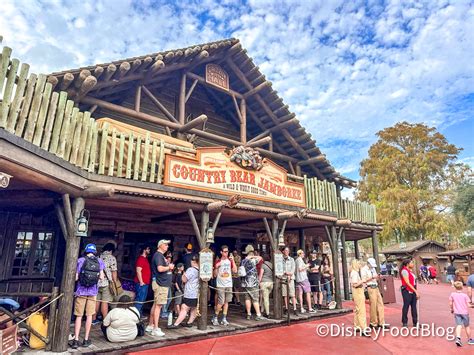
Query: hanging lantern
point(210, 235)
point(281, 240)
point(82, 224)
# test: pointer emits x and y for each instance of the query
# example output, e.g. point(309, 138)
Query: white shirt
point(367, 273)
point(301, 275)
point(289, 266)
point(224, 274)
point(121, 324)
point(355, 277)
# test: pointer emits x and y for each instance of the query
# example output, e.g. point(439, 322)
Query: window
point(33, 251)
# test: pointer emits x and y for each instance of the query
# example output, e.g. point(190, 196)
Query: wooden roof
point(410, 247)
point(458, 252)
point(266, 108)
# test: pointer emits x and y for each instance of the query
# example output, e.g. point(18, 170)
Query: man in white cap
point(162, 276)
point(370, 277)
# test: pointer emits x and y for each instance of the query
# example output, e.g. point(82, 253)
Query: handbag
point(115, 287)
point(242, 271)
point(140, 325)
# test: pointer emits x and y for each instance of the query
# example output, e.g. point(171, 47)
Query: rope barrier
point(46, 305)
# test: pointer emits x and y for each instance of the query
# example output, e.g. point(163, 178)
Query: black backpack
point(90, 271)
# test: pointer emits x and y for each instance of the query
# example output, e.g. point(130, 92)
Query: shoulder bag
point(140, 325)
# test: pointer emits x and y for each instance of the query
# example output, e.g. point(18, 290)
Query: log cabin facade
point(192, 144)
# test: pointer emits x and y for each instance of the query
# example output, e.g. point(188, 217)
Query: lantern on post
point(210, 235)
point(281, 239)
point(82, 224)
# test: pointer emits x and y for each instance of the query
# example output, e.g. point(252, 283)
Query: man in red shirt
point(142, 278)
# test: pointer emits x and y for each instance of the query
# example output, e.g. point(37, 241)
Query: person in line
point(89, 270)
point(459, 305)
point(389, 268)
point(288, 290)
point(326, 279)
point(383, 269)
point(223, 272)
point(142, 277)
point(104, 296)
point(357, 286)
point(121, 322)
point(410, 294)
point(165, 311)
point(178, 287)
point(265, 278)
point(470, 286)
point(190, 296)
point(302, 282)
point(250, 282)
point(370, 278)
point(432, 274)
point(236, 286)
point(162, 278)
point(451, 273)
point(314, 277)
point(188, 255)
point(39, 322)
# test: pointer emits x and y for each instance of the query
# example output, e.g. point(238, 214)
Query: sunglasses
point(225, 251)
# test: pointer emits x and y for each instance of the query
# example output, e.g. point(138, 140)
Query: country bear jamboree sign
point(213, 171)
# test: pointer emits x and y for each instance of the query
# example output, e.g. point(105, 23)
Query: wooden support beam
point(195, 227)
point(98, 192)
point(158, 104)
point(138, 96)
point(345, 271)
point(200, 120)
point(190, 91)
point(260, 142)
point(258, 88)
point(375, 249)
point(276, 128)
point(237, 109)
point(238, 223)
point(243, 122)
point(168, 217)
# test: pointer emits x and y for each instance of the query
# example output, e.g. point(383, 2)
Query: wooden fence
point(30, 109)
point(322, 195)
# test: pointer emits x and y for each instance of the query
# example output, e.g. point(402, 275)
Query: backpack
point(90, 272)
point(433, 271)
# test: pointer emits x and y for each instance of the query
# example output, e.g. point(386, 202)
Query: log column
point(356, 249)
point(67, 217)
point(375, 249)
point(302, 240)
point(332, 235)
point(182, 104)
point(345, 272)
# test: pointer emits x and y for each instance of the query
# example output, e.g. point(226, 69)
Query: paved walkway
point(302, 338)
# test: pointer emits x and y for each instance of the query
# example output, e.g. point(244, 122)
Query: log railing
point(322, 195)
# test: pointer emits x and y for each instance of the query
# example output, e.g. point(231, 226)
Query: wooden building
point(462, 259)
point(187, 144)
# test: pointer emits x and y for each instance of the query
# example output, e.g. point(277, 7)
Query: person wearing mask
point(121, 322)
point(223, 272)
point(265, 278)
point(370, 277)
point(314, 276)
point(357, 286)
point(190, 296)
point(142, 277)
point(110, 272)
point(89, 270)
point(250, 282)
point(410, 294)
point(302, 282)
point(161, 282)
point(326, 279)
point(288, 286)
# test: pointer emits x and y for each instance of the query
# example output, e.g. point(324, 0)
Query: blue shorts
point(462, 319)
point(450, 278)
point(470, 281)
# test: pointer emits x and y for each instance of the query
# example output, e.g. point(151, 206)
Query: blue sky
point(346, 68)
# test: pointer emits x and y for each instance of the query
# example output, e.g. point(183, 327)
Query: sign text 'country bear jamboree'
point(238, 171)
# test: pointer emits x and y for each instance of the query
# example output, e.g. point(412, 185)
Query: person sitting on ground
point(265, 278)
point(451, 274)
point(223, 269)
point(120, 324)
point(302, 282)
point(288, 286)
point(250, 282)
point(357, 285)
point(39, 322)
point(178, 288)
point(190, 295)
point(459, 304)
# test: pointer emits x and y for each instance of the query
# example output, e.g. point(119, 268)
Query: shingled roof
point(409, 247)
point(266, 108)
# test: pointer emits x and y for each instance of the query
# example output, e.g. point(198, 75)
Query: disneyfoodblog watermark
point(423, 330)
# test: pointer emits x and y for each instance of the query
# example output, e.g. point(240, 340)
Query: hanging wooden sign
point(8, 343)
point(279, 266)
point(4, 180)
point(217, 76)
point(205, 264)
point(214, 171)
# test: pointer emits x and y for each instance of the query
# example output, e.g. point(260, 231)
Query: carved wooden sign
point(217, 76)
point(205, 264)
point(4, 180)
point(279, 267)
point(213, 171)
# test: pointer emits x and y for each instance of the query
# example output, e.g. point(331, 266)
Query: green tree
point(464, 204)
point(410, 175)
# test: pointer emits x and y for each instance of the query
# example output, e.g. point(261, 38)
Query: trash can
point(387, 289)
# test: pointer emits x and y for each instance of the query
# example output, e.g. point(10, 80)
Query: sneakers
point(74, 344)
point(248, 317)
point(260, 317)
point(187, 325)
point(312, 311)
point(215, 321)
point(458, 342)
point(303, 311)
point(172, 326)
point(224, 322)
point(86, 343)
point(96, 321)
point(148, 329)
point(157, 333)
point(471, 341)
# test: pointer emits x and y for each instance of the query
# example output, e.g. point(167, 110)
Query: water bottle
point(170, 319)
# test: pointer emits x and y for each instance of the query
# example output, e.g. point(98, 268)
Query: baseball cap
point(163, 241)
point(372, 262)
point(90, 248)
point(189, 246)
point(314, 251)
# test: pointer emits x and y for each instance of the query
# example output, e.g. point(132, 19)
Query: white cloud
point(347, 70)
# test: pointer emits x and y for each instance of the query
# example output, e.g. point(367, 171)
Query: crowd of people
point(246, 277)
